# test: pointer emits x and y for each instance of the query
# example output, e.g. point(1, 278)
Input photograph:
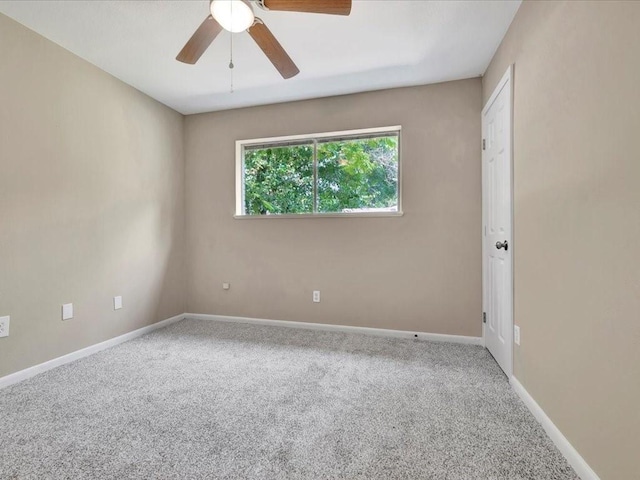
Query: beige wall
point(577, 220)
point(419, 272)
point(91, 202)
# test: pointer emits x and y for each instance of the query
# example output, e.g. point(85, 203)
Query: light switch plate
point(516, 334)
point(4, 326)
point(117, 303)
point(67, 311)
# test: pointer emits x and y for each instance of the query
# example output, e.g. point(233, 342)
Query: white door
point(497, 234)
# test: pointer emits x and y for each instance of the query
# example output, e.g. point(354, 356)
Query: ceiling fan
point(237, 16)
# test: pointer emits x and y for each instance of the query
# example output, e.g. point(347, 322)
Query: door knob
point(504, 245)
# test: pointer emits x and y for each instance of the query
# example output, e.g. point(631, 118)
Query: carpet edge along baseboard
point(379, 332)
point(34, 370)
point(29, 372)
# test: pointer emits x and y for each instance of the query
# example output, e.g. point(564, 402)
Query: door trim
point(506, 78)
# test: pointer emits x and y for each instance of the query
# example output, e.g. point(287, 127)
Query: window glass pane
point(278, 179)
point(358, 175)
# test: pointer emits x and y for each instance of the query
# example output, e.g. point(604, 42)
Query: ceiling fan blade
point(332, 7)
point(272, 49)
point(199, 41)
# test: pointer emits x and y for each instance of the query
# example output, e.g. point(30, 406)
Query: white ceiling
point(382, 44)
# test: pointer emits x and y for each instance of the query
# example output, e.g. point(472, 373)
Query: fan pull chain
point(231, 51)
point(231, 60)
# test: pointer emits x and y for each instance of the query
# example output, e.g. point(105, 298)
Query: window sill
point(321, 215)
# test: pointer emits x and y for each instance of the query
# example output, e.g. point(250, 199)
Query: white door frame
point(507, 78)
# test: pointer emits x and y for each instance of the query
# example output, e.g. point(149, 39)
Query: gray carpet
point(213, 400)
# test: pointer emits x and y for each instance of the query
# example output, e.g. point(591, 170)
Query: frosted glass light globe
point(232, 15)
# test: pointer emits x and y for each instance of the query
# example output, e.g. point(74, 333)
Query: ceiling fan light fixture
point(233, 15)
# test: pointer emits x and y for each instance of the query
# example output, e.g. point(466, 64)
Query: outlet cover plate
point(516, 334)
point(4, 326)
point(67, 311)
point(316, 296)
point(117, 303)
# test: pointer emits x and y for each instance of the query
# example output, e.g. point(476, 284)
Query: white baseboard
point(581, 467)
point(85, 352)
point(380, 332)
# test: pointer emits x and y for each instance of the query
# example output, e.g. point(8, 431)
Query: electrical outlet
point(4, 326)
point(226, 286)
point(67, 311)
point(516, 334)
point(117, 303)
point(316, 296)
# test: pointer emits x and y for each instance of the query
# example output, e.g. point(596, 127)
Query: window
point(339, 173)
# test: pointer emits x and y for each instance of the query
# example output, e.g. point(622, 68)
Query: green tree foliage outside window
point(278, 180)
point(352, 174)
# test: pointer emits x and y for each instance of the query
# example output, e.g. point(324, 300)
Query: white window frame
point(241, 144)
